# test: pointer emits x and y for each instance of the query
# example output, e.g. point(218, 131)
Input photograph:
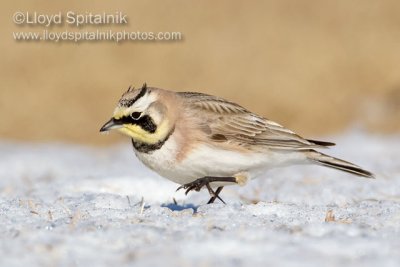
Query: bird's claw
point(196, 185)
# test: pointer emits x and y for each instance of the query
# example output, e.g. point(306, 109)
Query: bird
point(201, 141)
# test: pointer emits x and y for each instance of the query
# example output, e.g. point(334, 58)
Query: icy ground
point(68, 205)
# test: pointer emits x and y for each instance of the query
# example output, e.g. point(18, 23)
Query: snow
point(69, 205)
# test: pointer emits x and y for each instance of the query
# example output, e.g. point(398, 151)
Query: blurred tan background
point(317, 67)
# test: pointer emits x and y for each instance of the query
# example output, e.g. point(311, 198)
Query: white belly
point(206, 160)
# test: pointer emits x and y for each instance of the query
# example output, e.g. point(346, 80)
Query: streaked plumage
point(185, 136)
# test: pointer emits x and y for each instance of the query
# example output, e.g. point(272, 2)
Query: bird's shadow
point(177, 207)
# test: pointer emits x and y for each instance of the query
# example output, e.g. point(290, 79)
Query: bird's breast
point(207, 160)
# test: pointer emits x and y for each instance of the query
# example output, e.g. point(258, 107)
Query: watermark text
point(96, 35)
point(71, 18)
point(72, 26)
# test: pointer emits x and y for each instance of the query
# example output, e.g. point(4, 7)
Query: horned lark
point(199, 140)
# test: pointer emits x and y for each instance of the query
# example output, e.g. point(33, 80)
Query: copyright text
point(71, 18)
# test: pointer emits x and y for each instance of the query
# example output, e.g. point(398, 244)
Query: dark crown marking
point(130, 89)
point(129, 102)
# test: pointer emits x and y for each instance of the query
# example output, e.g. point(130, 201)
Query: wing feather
point(240, 126)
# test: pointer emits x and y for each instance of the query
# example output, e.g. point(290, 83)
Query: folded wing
point(224, 121)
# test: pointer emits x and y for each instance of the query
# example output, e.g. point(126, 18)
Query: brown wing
point(224, 121)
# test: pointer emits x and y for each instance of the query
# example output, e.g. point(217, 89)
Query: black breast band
point(148, 148)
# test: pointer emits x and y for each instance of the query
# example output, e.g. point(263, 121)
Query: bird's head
point(142, 115)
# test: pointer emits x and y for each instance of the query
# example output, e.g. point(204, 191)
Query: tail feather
point(321, 143)
point(338, 164)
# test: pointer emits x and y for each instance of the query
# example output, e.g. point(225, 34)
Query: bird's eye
point(135, 115)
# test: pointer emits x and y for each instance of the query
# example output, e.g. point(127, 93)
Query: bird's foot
point(198, 184)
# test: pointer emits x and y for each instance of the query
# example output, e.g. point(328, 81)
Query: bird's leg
point(205, 181)
point(199, 183)
point(215, 195)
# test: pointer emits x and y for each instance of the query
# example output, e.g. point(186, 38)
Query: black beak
point(111, 124)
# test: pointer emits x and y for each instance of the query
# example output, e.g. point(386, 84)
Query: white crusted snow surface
point(68, 205)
